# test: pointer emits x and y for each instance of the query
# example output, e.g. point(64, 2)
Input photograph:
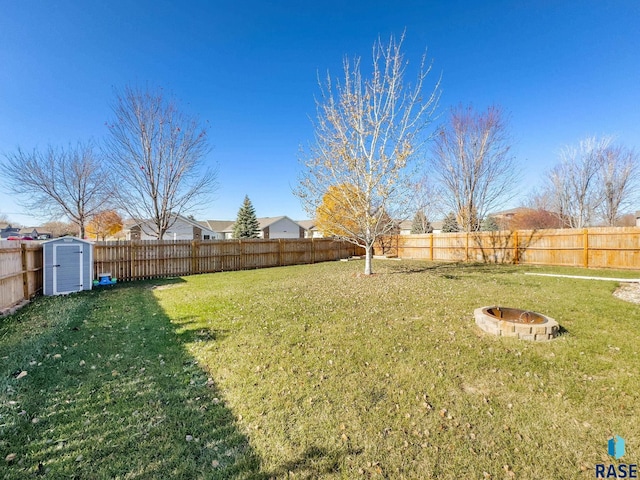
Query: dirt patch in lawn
point(629, 292)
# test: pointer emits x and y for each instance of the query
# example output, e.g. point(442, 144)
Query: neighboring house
point(219, 227)
point(405, 227)
point(187, 229)
point(269, 227)
point(638, 218)
point(127, 225)
point(6, 231)
point(228, 231)
point(36, 234)
point(182, 228)
point(503, 218)
point(311, 229)
point(280, 227)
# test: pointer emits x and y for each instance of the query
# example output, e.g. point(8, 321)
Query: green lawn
point(319, 372)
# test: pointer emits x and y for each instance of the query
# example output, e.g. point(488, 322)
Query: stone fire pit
point(513, 322)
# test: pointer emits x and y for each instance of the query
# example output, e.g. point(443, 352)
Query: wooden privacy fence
point(136, 260)
point(21, 262)
point(20, 272)
point(589, 247)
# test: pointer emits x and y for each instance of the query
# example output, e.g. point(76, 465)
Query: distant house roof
point(264, 222)
point(219, 225)
point(307, 224)
point(130, 223)
point(406, 225)
point(8, 231)
point(225, 226)
point(35, 231)
point(509, 213)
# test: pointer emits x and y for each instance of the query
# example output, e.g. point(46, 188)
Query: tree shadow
point(111, 392)
point(190, 330)
point(421, 266)
point(504, 246)
point(449, 270)
point(314, 462)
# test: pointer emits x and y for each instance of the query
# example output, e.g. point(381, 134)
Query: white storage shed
point(68, 265)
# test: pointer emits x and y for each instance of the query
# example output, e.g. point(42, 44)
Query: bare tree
point(617, 182)
point(58, 229)
point(157, 156)
point(58, 183)
point(428, 197)
point(573, 183)
point(367, 134)
point(471, 156)
point(595, 177)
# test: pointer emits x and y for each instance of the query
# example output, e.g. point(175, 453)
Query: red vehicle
point(19, 238)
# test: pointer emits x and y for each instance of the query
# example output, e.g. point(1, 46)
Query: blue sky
point(564, 70)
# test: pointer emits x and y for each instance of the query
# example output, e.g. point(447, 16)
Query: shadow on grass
point(189, 330)
point(110, 392)
point(315, 462)
point(451, 270)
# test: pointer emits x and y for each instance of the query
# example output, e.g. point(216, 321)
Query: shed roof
point(68, 239)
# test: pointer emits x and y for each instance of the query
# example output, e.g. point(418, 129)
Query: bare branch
point(157, 157)
point(58, 182)
point(596, 179)
point(618, 182)
point(471, 156)
point(367, 135)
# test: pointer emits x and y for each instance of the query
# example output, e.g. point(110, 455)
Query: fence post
point(431, 248)
point(313, 251)
point(195, 250)
point(516, 258)
point(585, 243)
point(466, 248)
point(25, 273)
point(160, 259)
point(280, 254)
point(132, 254)
point(241, 255)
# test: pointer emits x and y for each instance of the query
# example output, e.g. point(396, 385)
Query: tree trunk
point(367, 260)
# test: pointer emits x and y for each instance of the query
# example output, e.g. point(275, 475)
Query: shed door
point(67, 268)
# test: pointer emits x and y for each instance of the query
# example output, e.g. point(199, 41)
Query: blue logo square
point(616, 447)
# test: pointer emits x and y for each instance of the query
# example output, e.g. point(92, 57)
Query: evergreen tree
point(450, 224)
point(421, 224)
point(246, 225)
point(489, 224)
